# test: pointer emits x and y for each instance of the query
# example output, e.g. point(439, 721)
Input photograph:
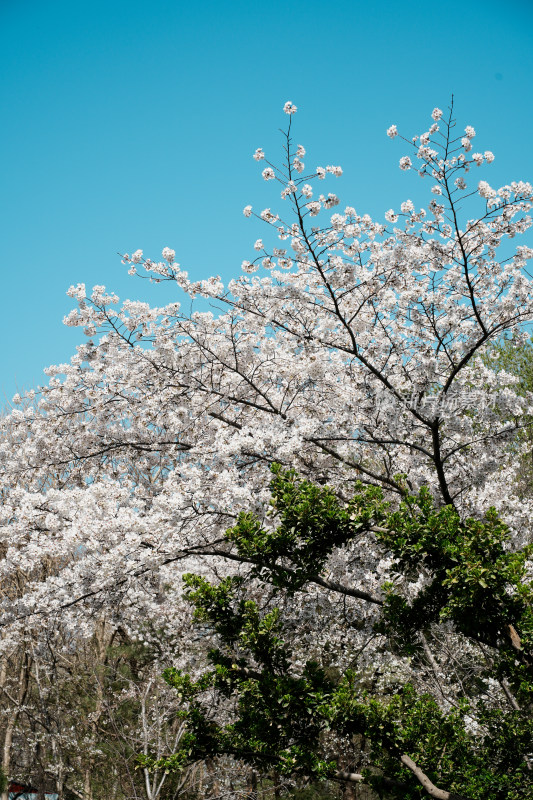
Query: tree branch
point(430, 788)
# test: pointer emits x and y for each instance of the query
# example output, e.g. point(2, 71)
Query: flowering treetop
point(349, 348)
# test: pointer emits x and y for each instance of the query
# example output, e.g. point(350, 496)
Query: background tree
point(514, 356)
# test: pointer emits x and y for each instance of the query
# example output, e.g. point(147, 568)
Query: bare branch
point(431, 789)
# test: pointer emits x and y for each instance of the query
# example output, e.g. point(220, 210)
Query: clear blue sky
point(130, 124)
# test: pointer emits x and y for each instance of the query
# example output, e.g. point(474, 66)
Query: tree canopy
point(356, 355)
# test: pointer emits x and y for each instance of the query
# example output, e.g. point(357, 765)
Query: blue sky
point(131, 125)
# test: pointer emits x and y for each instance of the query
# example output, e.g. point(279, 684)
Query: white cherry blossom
point(345, 348)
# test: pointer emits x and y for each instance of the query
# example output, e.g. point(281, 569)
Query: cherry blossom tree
point(350, 349)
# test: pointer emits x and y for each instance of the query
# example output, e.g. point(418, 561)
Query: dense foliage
point(298, 718)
